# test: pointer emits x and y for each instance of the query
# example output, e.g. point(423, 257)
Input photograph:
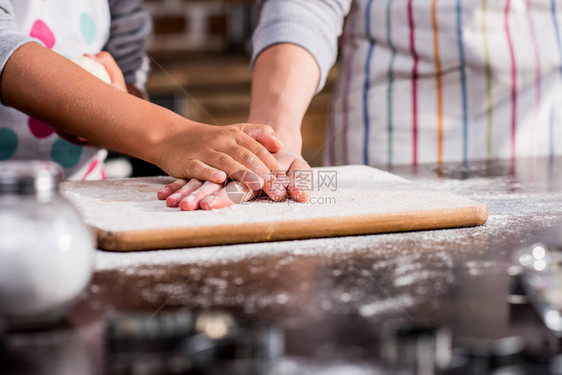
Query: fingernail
point(162, 194)
point(174, 196)
point(190, 197)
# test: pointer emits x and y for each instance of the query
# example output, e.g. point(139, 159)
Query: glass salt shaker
point(46, 251)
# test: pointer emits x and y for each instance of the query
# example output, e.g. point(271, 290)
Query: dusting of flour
point(380, 274)
point(123, 205)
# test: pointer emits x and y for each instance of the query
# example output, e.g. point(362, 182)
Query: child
point(53, 100)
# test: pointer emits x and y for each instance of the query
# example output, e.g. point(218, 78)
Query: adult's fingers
point(299, 185)
point(192, 200)
point(234, 192)
point(171, 188)
point(174, 199)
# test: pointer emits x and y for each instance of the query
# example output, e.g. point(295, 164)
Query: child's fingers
point(192, 200)
point(264, 157)
point(265, 135)
point(264, 167)
point(174, 199)
point(236, 170)
point(171, 188)
point(262, 143)
point(204, 172)
point(299, 187)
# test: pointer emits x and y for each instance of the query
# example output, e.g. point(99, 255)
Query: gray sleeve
point(11, 37)
point(130, 26)
point(312, 24)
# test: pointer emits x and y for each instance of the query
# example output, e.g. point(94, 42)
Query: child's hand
point(212, 153)
point(194, 194)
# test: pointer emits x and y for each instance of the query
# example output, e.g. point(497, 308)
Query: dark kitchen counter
point(329, 303)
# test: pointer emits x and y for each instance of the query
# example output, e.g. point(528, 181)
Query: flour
point(416, 267)
point(123, 205)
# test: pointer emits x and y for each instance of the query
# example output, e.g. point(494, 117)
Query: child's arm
point(108, 64)
point(54, 90)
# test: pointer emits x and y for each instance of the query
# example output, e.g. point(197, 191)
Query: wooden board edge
point(291, 229)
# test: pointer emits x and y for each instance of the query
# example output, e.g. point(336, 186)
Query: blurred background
point(200, 54)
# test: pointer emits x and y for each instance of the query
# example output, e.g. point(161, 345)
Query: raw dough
point(93, 67)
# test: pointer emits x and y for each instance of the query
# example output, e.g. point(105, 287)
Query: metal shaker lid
point(29, 177)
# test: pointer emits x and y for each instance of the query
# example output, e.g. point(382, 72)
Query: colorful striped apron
point(433, 81)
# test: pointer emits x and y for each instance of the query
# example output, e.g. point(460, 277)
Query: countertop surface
point(335, 300)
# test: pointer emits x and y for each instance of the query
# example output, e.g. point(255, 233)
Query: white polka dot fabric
point(71, 28)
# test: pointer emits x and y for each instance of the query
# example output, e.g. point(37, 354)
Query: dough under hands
point(93, 67)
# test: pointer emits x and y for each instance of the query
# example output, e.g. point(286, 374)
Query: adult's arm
point(295, 45)
point(130, 26)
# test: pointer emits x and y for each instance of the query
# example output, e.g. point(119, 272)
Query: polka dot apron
point(70, 28)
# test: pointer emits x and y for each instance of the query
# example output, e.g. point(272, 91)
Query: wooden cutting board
point(351, 200)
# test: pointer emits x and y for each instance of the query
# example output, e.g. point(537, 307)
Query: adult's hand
point(284, 79)
point(193, 194)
